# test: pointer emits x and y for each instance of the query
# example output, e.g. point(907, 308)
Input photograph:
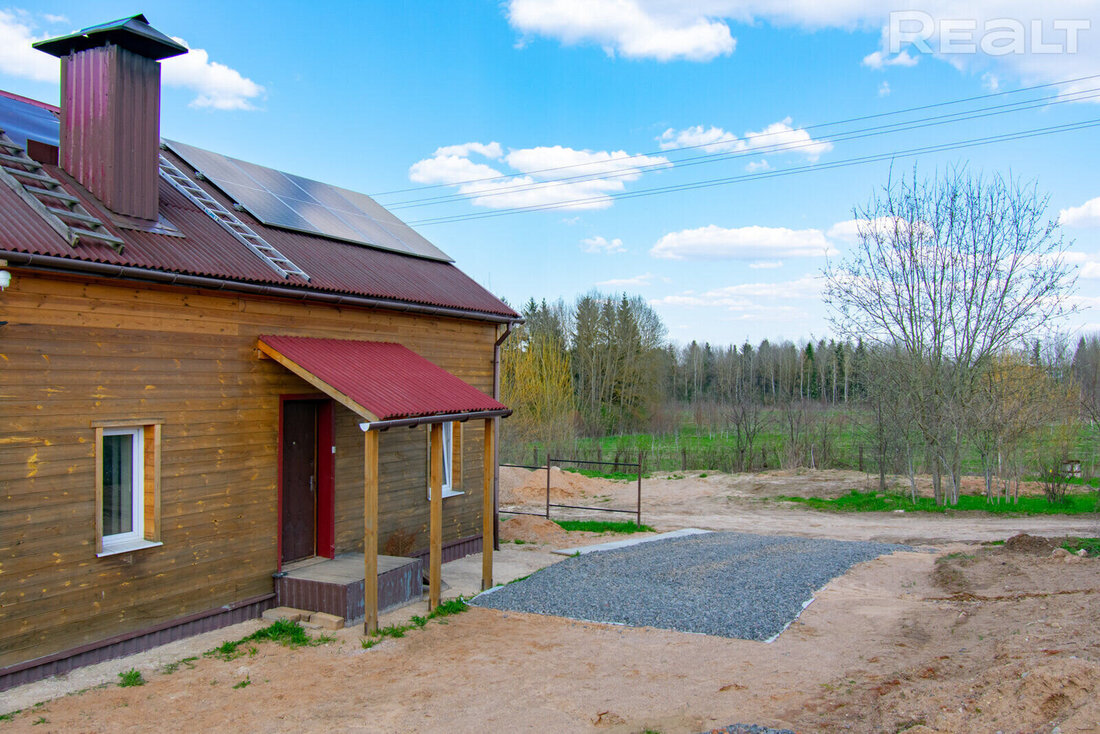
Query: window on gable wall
point(452, 459)
point(127, 487)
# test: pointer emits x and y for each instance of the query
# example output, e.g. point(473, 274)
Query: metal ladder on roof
point(46, 195)
point(281, 264)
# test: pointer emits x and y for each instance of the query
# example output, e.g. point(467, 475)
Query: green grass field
point(700, 448)
point(856, 501)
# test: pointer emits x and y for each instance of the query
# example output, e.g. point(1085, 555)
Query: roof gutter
point(438, 418)
point(51, 263)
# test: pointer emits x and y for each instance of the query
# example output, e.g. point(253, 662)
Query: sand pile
point(532, 530)
point(523, 486)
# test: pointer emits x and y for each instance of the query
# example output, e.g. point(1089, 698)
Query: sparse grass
point(170, 668)
point(396, 631)
point(1089, 545)
point(288, 634)
point(596, 474)
point(129, 678)
point(243, 684)
point(604, 526)
point(520, 541)
point(856, 501)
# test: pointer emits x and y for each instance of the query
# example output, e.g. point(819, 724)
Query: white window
point(452, 460)
point(126, 501)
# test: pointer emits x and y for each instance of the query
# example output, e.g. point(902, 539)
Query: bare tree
point(950, 272)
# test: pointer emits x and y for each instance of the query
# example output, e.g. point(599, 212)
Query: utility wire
point(710, 183)
point(861, 133)
point(814, 126)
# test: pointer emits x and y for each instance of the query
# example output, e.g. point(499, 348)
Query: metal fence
point(618, 466)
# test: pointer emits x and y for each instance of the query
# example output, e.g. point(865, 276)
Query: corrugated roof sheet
point(389, 380)
point(208, 250)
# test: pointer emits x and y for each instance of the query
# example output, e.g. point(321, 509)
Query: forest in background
point(598, 380)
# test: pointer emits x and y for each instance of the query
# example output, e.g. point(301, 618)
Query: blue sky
point(384, 96)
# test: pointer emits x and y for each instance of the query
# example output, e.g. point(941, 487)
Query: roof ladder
point(49, 199)
point(229, 221)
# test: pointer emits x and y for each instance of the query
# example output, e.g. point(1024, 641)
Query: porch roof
point(385, 383)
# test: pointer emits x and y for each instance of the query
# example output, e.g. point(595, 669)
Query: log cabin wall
point(78, 350)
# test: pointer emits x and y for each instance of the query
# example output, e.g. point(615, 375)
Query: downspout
point(496, 432)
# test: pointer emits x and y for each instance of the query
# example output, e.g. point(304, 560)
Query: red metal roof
point(209, 250)
point(389, 380)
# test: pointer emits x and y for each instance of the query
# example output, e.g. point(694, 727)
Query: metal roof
point(381, 381)
point(207, 249)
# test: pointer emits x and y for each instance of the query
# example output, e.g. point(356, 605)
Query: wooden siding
point(77, 351)
point(403, 505)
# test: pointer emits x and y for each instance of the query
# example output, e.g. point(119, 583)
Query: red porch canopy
point(385, 383)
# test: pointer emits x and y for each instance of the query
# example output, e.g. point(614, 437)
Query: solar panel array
point(292, 202)
point(23, 121)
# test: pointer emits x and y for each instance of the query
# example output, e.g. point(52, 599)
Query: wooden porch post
point(435, 553)
point(487, 510)
point(370, 531)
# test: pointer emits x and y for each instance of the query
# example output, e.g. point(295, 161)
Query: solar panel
point(22, 120)
point(293, 202)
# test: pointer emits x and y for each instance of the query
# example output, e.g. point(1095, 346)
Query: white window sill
point(451, 493)
point(113, 548)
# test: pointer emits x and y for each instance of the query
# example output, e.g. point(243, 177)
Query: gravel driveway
point(726, 584)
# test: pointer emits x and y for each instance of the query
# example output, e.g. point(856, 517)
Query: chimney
point(110, 110)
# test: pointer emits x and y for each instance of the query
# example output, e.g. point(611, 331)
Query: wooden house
point(215, 377)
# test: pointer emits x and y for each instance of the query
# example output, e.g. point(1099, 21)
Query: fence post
point(547, 486)
point(683, 459)
point(639, 522)
point(861, 458)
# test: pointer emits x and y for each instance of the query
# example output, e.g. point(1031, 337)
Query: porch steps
point(335, 586)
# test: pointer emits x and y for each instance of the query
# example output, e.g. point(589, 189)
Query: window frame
point(452, 460)
point(144, 482)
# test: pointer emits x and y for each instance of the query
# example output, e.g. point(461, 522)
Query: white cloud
point(700, 31)
point(17, 58)
point(772, 298)
point(742, 243)
point(602, 245)
point(878, 59)
point(852, 230)
point(217, 86)
point(766, 265)
point(447, 169)
point(1090, 270)
point(626, 27)
point(760, 165)
point(54, 19)
point(778, 137)
point(535, 178)
point(489, 150)
point(638, 281)
point(1086, 215)
point(884, 89)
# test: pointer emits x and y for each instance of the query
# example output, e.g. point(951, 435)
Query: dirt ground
point(972, 638)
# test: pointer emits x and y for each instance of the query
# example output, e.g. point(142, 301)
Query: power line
point(710, 183)
point(814, 126)
point(858, 134)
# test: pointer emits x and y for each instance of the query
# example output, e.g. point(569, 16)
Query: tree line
point(940, 361)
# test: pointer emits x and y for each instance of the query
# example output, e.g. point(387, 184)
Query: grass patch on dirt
point(1089, 545)
point(446, 608)
point(604, 526)
point(856, 501)
point(596, 474)
point(288, 634)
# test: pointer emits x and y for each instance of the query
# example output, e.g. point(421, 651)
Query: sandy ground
point(972, 638)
